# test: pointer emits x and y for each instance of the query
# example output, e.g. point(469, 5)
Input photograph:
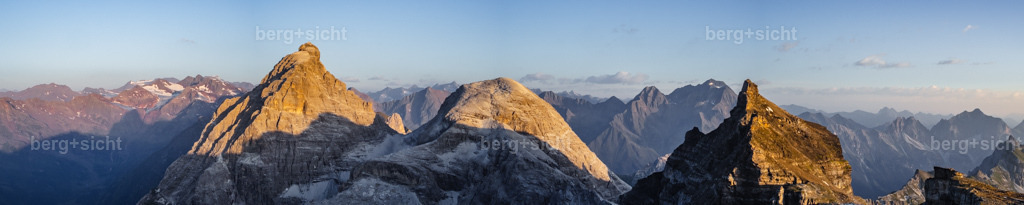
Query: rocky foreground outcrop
point(911, 193)
point(760, 155)
point(952, 187)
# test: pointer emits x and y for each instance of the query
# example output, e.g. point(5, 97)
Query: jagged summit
point(299, 128)
point(713, 83)
point(751, 103)
point(650, 94)
point(760, 154)
point(288, 99)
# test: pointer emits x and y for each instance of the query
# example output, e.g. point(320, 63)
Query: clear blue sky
point(932, 56)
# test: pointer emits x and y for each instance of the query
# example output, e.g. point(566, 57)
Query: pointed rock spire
point(288, 99)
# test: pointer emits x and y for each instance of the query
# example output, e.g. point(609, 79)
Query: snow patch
point(174, 87)
point(157, 91)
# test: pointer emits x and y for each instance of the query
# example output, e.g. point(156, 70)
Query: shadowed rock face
point(417, 108)
point(297, 91)
point(760, 155)
point(298, 126)
point(1004, 169)
point(629, 136)
point(952, 187)
point(911, 193)
point(492, 141)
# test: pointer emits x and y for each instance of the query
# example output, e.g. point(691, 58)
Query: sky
point(925, 56)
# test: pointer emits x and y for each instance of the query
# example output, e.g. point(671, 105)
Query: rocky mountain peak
point(713, 83)
point(288, 99)
point(650, 94)
point(616, 100)
point(506, 104)
point(751, 103)
point(760, 154)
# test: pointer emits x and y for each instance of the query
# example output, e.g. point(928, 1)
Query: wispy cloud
point(187, 41)
point(878, 62)
point(620, 77)
point(970, 27)
point(538, 77)
point(377, 78)
point(951, 61)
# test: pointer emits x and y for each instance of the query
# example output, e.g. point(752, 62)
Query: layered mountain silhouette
point(635, 134)
point(389, 94)
point(143, 120)
point(1004, 169)
point(869, 119)
point(761, 154)
point(417, 108)
point(883, 157)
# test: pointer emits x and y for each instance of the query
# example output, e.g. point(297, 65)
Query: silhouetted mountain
point(417, 108)
point(964, 127)
point(45, 92)
point(881, 156)
point(761, 154)
point(1004, 169)
point(649, 126)
point(1019, 129)
point(587, 119)
point(883, 116)
point(389, 94)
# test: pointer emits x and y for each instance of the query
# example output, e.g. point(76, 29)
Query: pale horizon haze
point(940, 57)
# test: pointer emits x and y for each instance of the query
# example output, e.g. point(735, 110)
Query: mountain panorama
point(302, 136)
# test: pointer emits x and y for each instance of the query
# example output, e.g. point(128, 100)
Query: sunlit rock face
point(299, 126)
point(287, 100)
point(492, 141)
point(760, 155)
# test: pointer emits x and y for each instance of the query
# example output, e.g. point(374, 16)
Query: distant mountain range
point(301, 136)
point(882, 156)
point(152, 120)
point(883, 116)
point(392, 94)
